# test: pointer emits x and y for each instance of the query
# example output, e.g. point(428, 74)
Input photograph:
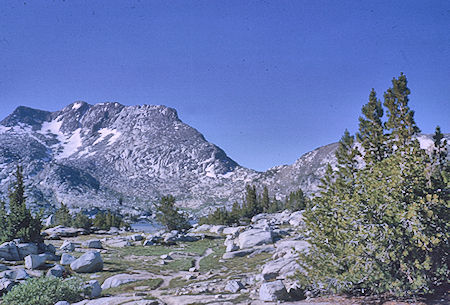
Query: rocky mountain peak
point(89, 156)
point(27, 116)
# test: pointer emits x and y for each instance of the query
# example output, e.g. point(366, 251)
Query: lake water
point(146, 226)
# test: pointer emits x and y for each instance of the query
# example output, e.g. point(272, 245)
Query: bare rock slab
point(273, 291)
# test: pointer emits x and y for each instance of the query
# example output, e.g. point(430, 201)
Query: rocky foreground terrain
point(251, 264)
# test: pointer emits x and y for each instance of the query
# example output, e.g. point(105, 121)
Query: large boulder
point(15, 274)
point(93, 288)
point(88, 262)
point(234, 286)
point(118, 279)
point(273, 291)
point(56, 271)
point(3, 267)
point(34, 261)
point(296, 219)
point(240, 253)
point(6, 285)
point(255, 237)
point(26, 249)
point(202, 228)
point(282, 267)
point(234, 231)
point(297, 245)
point(136, 237)
point(9, 251)
point(118, 242)
point(62, 231)
point(68, 246)
point(66, 259)
point(218, 229)
point(93, 244)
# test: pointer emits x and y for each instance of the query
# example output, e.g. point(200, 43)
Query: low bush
point(45, 291)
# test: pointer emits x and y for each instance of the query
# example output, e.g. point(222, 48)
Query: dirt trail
point(197, 260)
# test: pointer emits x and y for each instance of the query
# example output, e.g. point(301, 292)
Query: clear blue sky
point(265, 80)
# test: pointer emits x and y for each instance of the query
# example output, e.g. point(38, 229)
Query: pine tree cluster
point(381, 222)
point(19, 223)
point(254, 204)
point(170, 216)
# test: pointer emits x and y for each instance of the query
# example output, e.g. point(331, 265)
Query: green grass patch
point(178, 282)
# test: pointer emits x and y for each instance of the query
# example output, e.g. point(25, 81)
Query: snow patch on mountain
point(77, 105)
point(71, 144)
point(106, 132)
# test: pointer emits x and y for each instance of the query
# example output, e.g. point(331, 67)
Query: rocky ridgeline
point(208, 264)
point(89, 156)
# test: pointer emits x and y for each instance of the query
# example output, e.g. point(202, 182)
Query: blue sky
point(265, 80)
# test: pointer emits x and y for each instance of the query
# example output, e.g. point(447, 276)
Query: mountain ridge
point(92, 156)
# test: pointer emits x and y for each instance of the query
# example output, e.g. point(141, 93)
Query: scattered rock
point(9, 251)
point(296, 293)
point(34, 261)
point(94, 289)
point(233, 231)
point(62, 231)
point(6, 285)
point(273, 291)
point(118, 242)
point(282, 267)
point(68, 246)
point(218, 229)
point(148, 243)
point(254, 237)
point(166, 257)
point(119, 279)
point(137, 237)
point(202, 228)
point(296, 219)
point(3, 267)
point(26, 249)
point(66, 259)
point(20, 274)
point(190, 277)
point(234, 286)
point(62, 303)
point(88, 262)
point(93, 244)
point(240, 253)
point(193, 269)
point(56, 271)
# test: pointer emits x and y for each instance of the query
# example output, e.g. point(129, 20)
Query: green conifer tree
point(382, 228)
point(371, 132)
point(169, 216)
point(62, 216)
point(3, 222)
point(265, 200)
point(400, 123)
point(296, 201)
point(20, 223)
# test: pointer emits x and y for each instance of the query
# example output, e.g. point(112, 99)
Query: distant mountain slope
point(92, 155)
point(88, 155)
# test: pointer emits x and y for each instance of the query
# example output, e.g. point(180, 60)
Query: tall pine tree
point(371, 132)
point(382, 228)
point(20, 223)
point(400, 123)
